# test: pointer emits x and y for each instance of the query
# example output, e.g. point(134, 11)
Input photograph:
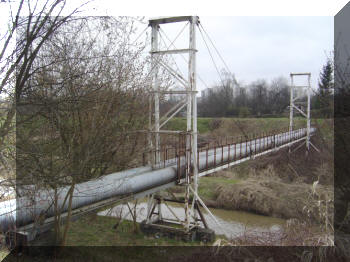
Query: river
point(232, 223)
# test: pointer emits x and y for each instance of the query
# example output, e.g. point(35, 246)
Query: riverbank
point(263, 194)
point(281, 184)
point(269, 197)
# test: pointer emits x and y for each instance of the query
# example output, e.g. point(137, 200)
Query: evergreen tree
point(325, 94)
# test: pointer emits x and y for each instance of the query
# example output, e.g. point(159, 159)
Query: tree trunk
point(64, 239)
point(57, 219)
point(134, 217)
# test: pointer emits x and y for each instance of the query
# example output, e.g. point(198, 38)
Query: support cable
point(217, 51)
point(137, 38)
point(211, 56)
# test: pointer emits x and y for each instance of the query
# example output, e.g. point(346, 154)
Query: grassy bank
point(236, 126)
point(3, 253)
point(208, 186)
point(279, 184)
point(179, 123)
point(206, 125)
point(94, 230)
point(90, 237)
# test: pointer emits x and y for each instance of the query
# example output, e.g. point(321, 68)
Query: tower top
point(171, 19)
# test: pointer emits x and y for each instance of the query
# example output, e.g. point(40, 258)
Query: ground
point(3, 253)
point(97, 233)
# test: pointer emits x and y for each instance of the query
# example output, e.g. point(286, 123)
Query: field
point(236, 126)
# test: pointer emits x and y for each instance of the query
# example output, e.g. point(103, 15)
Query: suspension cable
point(211, 56)
point(137, 38)
point(217, 51)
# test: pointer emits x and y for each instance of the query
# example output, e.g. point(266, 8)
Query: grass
point(95, 239)
point(266, 123)
point(250, 124)
point(3, 253)
point(207, 186)
point(179, 123)
point(92, 238)
point(96, 230)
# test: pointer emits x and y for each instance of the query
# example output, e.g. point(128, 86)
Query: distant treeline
point(256, 99)
point(263, 99)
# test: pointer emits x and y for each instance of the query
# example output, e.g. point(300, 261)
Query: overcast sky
point(260, 47)
point(257, 39)
point(254, 47)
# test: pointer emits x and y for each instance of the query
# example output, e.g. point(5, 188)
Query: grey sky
point(262, 47)
point(254, 47)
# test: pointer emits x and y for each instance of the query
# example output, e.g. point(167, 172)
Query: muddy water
point(232, 223)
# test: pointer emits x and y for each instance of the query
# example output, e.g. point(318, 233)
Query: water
point(232, 223)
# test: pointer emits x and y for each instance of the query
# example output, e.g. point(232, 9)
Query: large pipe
point(26, 209)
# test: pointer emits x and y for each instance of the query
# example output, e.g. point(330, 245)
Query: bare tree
point(82, 104)
point(278, 96)
point(33, 22)
point(30, 25)
point(258, 99)
point(219, 101)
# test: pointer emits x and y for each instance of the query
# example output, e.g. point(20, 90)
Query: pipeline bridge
point(21, 214)
point(163, 167)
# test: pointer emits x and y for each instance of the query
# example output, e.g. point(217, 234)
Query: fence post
point(228, 156)
point(206, 164)
point(240, 148)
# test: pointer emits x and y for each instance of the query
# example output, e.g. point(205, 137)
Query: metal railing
point(220, 153)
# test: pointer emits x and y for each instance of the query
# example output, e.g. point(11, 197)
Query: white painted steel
point(308, 125)
point(291, 103)
point(190, 92)
point(175, 51)
point(193, 83)
point(155, 85)
point(307, 115)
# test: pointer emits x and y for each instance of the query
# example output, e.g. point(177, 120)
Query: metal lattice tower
point(189, 84)
point(297, 102)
